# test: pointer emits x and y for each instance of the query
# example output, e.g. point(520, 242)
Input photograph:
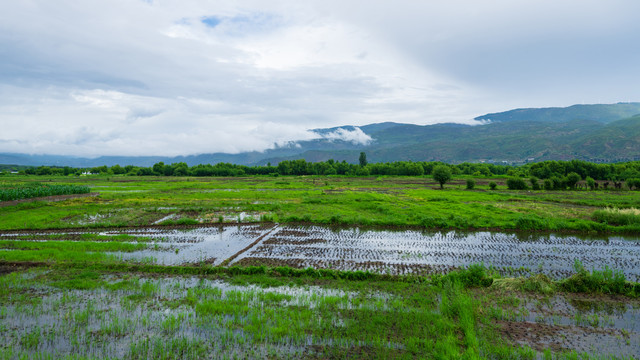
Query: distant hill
point(604, 113)
point(602, 133)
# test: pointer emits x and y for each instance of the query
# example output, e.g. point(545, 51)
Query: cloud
point(176, 78)
point(355, 136)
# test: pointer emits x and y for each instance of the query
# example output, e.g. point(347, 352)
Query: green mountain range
point(599, 133)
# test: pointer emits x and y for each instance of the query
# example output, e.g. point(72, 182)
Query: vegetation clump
point(516, 184)
point(607, 281)
point(614, 216)
point(471, 184)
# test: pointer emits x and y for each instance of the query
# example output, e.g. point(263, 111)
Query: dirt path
point(46, 198)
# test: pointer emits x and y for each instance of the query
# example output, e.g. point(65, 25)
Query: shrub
point(516, 184)
point(493, 185)
point(534, 183)
point(631, 183)
point(548, 184)
point(471, 184)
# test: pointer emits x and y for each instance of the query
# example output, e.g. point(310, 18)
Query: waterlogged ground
point(413, 252)
point(53, 313)
point(392, 252)
point(588, 323)
point(133, 317)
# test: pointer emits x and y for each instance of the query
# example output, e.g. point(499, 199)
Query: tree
point(363, 159)
point(441, 174)
point(572, 179)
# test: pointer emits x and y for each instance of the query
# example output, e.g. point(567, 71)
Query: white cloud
point(355, 136)
point(158, 78)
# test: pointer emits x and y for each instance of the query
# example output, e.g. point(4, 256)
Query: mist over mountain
point(601, 133)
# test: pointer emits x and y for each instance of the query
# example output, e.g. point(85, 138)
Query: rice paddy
point(289, 268)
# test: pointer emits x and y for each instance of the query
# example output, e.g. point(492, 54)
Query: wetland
point(317, 267)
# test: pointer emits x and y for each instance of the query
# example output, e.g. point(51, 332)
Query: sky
point(157, 77)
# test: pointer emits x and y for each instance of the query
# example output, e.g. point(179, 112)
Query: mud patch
point(568, 337)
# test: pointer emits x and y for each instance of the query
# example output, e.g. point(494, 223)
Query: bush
point(631, 183)
point(548, 184)
point(493, 185)
point(534, 183)
point(471, 184)
point(516, 184)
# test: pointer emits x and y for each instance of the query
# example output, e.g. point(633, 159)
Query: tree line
point(555, 171)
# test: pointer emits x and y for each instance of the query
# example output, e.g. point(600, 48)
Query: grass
point(255, 314)
point(615, 216)
point(103, 307)
point(379, 201)
point(32, 190)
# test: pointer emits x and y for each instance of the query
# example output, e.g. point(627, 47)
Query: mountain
point(604, 113)
point(602, 133)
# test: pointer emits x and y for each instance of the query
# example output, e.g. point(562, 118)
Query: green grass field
point(382, 201)
point(68, 295)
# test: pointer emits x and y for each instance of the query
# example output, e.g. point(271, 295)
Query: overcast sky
point(133, 77)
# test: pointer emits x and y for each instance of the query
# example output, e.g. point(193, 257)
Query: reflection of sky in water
point(550, 254)
point(211, 245)
point(396, 252)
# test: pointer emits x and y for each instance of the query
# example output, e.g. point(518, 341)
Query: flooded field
point(132, 317)
point(584, 323)
point(175, 317)
point(393, 252)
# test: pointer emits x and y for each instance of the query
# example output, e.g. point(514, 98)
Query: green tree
point(572, 179)
point(363, 159)
point(441, 174)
